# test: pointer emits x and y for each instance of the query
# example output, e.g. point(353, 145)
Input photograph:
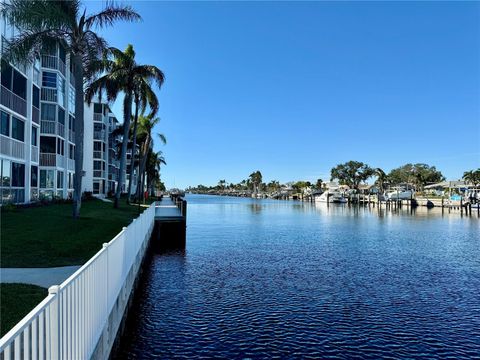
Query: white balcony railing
point(68, 323)
point(13, 101)
point(48, 159)
point(34, 153)
point(99, 135)
point(50, 62)
point(12, 147)
point(98, 173)
point(60, 161)
point(49, 94)
point(61, 130)
point(47, 127)
point(71, 164)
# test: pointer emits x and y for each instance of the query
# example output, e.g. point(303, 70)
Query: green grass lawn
point(16, 301)
point(49, 236)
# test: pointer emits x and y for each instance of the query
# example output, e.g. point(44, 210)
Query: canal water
point(282, 279)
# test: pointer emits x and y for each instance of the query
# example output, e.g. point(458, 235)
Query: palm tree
point(143, 94)
point(154, 163)
point(146, 125)
point(382, 179)
point(472, 177)
point(123, 74)
point(43, 24)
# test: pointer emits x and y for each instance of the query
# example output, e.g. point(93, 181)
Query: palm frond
point(110, 14)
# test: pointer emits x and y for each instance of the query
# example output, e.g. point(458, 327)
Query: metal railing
point(12, 147)
point(98, 173)
point(97, 117)
point(50, 61)
point(47, 127)
point(48, 159)
point(68, 323)
point(34, 153)
point(35, 115)
point(61, 130)
point(13, 101)
point(99, 155)
point(71, 164)
point(49, 94)
point(99, 135)
point(71, 135)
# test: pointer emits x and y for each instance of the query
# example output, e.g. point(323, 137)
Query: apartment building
point(37, 131)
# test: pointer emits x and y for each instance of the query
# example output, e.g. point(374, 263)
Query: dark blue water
point(276, 279)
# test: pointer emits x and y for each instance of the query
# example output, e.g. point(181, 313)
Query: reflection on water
point(266, 278)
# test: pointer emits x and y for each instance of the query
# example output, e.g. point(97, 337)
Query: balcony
point(98, 173)
point(52, 128)
point(97, 117)
point(49, 94)
point(99, 155)
point(99, 135)
point(47, 159)
point(12, 147)
point(71, 135)
point(34, 153)
point(48, 127)
point(13, 101)
point(53, 62)
point(35, 115)
point(71, 164)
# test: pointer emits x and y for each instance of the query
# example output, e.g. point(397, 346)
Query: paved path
point(44, 277)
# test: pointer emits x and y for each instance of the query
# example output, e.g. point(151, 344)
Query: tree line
point(351, 174)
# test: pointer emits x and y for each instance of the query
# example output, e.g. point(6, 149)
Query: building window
point(97, 146)
point(96, 187)
point(60, 147)
point(36, 97)
point(97, 165)
point(49, 79)
point(47, 144)
point(18, 175)
point(46, 179)
point(19, 84)
point(18, 129)
point(97, 108)
point(34, 136)
point(71, 99)
point(6, 173)
point(34, 176)
point(13, 80)
point(59, 179)
point(71, 122)
point(71, 153)
point(61, 91)
point(61, 116)
point(48, 112)
point(5, 124)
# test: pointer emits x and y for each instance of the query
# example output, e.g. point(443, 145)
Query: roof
point(447, 184)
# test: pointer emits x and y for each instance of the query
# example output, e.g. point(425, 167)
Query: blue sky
point(294, 88)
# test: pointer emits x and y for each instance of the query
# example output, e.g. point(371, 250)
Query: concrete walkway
point(44, 277)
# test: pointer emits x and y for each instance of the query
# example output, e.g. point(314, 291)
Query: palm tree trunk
point(77, 181)
point(127, 113)
point(143, 163)
point(134, 145)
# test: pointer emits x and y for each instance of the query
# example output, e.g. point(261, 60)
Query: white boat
point(400, 195)
point(331, 197)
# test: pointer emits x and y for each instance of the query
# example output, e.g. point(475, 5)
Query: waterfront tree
point(44, 24)
point(472, 177)
point(351, 173)
point(319, 184)
point(145, 128)
point(418, 175)
point(256, 180)
point(122, 74)
point(382, 179)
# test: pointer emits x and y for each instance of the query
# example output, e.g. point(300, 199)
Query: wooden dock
point(170, 223)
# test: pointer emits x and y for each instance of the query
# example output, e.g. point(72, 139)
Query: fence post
point(55, 322)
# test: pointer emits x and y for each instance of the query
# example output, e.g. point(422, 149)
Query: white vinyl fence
point(71, 320)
